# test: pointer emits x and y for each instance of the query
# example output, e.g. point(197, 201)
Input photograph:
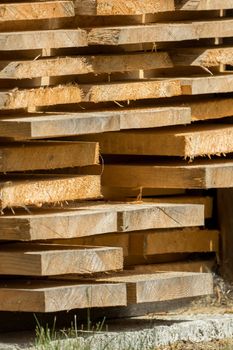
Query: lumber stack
point(148, 85)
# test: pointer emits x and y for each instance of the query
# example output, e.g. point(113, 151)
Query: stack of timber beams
point(149, 85)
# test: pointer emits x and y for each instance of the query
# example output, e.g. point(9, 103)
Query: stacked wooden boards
point(71, 69)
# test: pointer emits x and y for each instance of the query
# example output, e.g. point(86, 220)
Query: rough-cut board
point(190, 240)
point(66, 223)
point(36, 10)
point(142, 216)
point(22, 191)
point(53, 296)
point(47, 155)
point(151, 242)
point(71, 65)
point(205, 200)
point(51, 259)
point(210, 108)
point(72, 93)
point(207, 84)
point(121, 7)
point(130, 194)
point(163, 286)
point(202, 174)
point(57, 124)
point(204, 57)
point(42, 39)
point(182, 266)
point(198, 5)
point(188, 142)
point(160, 32)
point(137, 7)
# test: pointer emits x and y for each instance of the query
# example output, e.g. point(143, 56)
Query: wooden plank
point(181, 266)
point(153, 242)
point(201, 174)
point(47, 155)
point(199, 5)
point(142, 216)
point(160, 32)
point(207, 85)
point(188, 240)
point(66, 94)
point(129, 194)
point(84, 64)
point(224, 207)
point(22, 191)
point(70, 124)
point(146, 288)
point(136, 7)
point(42, 39)
point(142, 118)
point(51, 259)
point(36, 10)
point(57, 124)
point(204, 57)
point(56, 224)
point(187, 142)
point(207, 201)
point(131, 7)
point(210, 108)
point(53, 296)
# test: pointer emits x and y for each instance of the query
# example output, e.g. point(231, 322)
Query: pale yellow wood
point(51, 259)
point(36, 10)
point(188, 142)
point(160, 32)
point(22, 191)
point(199, 5)
point(66, 94)
point(207, 84)
point(182, 266)
point(205, 200)
point(84, 64)
point(57, 124)
point(51, 224)
point(188, 240)
point(204, 57)
point(201, 174)
point(42, 39)
point(152, 242)
point(163, 286)
point(47, 155)
point(121, 7)
point(52, 296)
point(142, 216)
point(136, 7)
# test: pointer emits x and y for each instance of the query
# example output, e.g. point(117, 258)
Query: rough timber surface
point(21, 191)
point(142, 216)
point(52, 296)
point(42, 224)
point(160, 32)
point(45, 125)
point(146, 243)
point(207, 201)
point(36, 10)
point(47, 155)
point(102, 92)
point(82, 64)
point(200, 174)
point(181, 266)
point(42, 39)
point(50, 259)
point(163, 286)
point(136, 7)
point(188, 142)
